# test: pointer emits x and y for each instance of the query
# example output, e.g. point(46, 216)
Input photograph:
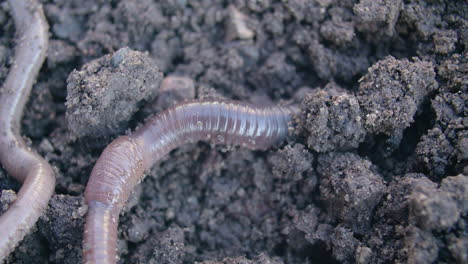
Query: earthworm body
point(16, 157)
point(121, 165)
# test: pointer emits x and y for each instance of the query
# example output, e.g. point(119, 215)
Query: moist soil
point(374, 170)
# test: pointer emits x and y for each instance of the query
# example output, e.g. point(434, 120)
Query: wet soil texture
point(375, 169)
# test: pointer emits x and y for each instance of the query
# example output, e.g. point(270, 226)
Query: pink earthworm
point(16, 157)
point(122, 164)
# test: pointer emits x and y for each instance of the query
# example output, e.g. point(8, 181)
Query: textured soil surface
point(375, 171)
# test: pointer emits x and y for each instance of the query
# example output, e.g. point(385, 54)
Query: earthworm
point(16, 157)
point(121, 165)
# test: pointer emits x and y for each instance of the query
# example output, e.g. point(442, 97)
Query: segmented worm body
point(16, 157)
point(123, 162)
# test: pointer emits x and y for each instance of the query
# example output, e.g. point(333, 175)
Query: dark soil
point(369, 176)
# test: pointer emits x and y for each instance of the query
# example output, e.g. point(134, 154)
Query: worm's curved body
point(123, 162)
point(16, 157)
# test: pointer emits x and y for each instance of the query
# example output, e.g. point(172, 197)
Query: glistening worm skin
point(16, 157)
point(123, 162)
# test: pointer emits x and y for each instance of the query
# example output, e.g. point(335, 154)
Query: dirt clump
point(105, 93)
point(333, 120)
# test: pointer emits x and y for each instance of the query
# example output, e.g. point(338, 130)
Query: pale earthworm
point(121, 165)
point(16, 157)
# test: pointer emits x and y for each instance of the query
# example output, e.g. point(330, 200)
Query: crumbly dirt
point(375, 171)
